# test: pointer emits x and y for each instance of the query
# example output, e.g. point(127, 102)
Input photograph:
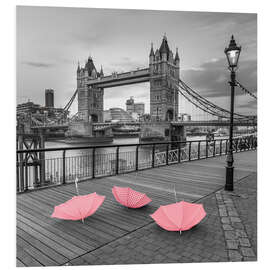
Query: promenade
point(117, 235)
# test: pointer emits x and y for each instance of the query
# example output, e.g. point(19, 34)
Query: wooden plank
point(46, 240)
point(79, 240)
point(26, 258)
point(60, 240)
point(19, 263)
point(88, 233)
point(60, 259)
point(35, 253)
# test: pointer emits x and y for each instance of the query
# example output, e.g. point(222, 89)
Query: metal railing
point(54, 166)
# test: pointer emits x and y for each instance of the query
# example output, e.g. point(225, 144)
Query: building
point(49, 98)
point(117, 115)
point(184, 117)
point(133, 107)
point(39, 111)
point(28, 107)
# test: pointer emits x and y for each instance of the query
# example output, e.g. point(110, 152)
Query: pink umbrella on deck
point(78, 207)
point(130, 197)
point(180, 216)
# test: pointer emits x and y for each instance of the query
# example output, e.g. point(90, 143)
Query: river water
point(116, 141)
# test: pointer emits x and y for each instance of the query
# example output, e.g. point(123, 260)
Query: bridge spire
point(101, 72)
point(152, 50)
point(176, 55)
point(164, 47)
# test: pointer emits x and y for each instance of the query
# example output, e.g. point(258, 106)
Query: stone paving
point(233, 214)
point(227, 233)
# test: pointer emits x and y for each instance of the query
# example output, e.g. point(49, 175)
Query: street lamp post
point(232, 53)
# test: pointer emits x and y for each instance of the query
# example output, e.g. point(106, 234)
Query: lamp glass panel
point(233, 57)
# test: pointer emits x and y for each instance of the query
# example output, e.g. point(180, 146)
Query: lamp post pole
point(230, 167)
point(232, 52)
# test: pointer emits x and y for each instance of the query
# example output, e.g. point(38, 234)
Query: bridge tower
point(164, 75)
point(90, 98)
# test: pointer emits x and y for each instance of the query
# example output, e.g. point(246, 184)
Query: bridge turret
point(164, 49)
point(151, 59)
point(151, 55)
point(177, 59)
point(101, 74)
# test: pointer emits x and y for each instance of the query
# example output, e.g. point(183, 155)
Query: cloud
point(211, 78)
point(38, 64)
point(126, 64)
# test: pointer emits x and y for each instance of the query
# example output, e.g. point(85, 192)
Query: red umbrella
point(79, 207)
point(130, 197)
point(180, 216)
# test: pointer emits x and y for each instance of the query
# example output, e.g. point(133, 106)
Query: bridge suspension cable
point(245, 90)
point(206, 103)
point(208, 106)
point(66, 108)
point(194, 101)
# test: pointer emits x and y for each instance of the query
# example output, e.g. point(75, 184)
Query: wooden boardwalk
point(42, 240)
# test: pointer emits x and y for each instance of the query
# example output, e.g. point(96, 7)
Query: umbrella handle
point(76, 186)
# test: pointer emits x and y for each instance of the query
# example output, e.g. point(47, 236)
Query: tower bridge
point(163, 75)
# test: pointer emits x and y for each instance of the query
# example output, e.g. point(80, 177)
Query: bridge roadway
point(174, 123)
point(42, 240)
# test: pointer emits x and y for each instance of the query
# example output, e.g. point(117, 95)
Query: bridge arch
point(169, 115)
point(94, 118)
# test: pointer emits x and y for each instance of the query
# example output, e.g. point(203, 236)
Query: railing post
point(189, 151)
point(25, 175)
point(167, 154)
point(179, 152)
point(214, 149)
point(199, 150)
point(64, 167)
point(93, 163)
point(117, 161)
point(206, 149)
point(137, 158)
point(153, 155)
point(220, 148)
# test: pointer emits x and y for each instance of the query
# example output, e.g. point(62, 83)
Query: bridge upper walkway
point(118, 79)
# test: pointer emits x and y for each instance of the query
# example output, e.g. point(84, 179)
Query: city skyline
point(115, 40)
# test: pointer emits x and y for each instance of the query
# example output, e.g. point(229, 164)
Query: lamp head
point(232, 52)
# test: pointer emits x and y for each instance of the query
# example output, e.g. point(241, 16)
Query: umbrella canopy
point(79, 207)
point(180, 216)
point(130, 197)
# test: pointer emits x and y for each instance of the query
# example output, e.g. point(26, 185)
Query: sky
point(51, 41)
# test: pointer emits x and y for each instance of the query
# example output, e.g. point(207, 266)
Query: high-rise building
point(132, 107)
point(49, 98)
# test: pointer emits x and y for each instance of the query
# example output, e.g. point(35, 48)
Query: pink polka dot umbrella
point(130, 197)
point(180, 216)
